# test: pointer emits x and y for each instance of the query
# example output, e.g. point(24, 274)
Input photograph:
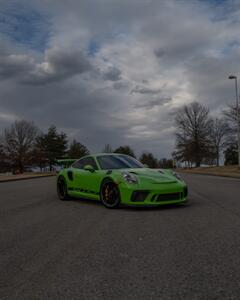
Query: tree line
point(201, 138)
point(24, 144)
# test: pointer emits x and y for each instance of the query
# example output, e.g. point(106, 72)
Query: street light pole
point(238, 119)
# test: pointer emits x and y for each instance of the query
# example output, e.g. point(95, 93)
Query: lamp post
point(238, 121)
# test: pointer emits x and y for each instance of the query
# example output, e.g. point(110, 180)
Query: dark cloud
point(159, 52)
point(112, 74)
point(120, 84)
point(58, 65)
point(12, 66)
point(209, 80)
point(145, 90)
point(154, 102)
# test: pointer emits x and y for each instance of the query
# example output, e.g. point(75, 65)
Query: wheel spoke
point(110, 195)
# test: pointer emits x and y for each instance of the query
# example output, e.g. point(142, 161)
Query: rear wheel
point(110, 195)
point(62, 188)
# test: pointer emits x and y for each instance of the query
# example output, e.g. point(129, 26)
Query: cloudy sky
point(115, 71)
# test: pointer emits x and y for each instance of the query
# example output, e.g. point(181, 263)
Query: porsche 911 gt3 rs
point(116, 179)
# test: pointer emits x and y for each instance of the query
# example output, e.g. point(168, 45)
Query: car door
point(87, 182)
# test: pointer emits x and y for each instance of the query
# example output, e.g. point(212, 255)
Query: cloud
point(159, 52)
point(154, 102)
point(209, 80)
point(12, 66)
point(58, 64)
point(112, 74)
point(121, 85)
point(145, 90)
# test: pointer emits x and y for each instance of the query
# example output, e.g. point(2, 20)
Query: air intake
point(139, 196)
point(168, 197)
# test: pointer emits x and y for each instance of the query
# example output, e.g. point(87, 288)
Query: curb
point(211, 174)
point(26, 178)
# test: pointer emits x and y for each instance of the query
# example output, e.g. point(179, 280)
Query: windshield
point(109, 162)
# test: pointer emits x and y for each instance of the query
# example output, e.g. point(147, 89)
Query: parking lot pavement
point(51, 249)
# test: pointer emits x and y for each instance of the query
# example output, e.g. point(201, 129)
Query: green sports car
point(117, 179)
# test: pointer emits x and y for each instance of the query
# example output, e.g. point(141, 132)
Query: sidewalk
point(6, 178)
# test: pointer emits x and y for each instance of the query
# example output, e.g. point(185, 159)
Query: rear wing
point(65, 163)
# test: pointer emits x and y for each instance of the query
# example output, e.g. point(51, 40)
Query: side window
point(77, 164)
point(81, 163)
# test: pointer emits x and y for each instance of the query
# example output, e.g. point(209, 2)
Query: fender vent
point(132, 172)
point(70, 175)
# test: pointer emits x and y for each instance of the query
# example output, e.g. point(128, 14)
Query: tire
point(62, 189)
point(109, 194)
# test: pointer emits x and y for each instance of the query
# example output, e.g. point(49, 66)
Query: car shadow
point(91, 202)
point(86, 201)
point(154, 208)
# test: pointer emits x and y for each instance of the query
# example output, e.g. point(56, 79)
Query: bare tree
point(193, 133)
point(219, 131)
point(18, 143)
point(3, 162)
point(1, 148)
point(231, 118)
point(183, 151)
point(107, 149)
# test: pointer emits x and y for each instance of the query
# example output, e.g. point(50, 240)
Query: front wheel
point(62, 189)
point(110, 195)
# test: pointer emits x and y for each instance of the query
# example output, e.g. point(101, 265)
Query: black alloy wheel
point(62, 189)
point(110, 195)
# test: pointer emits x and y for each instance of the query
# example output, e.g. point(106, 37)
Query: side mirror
point(89, 168)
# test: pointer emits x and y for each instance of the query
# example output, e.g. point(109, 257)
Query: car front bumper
point(154, 195)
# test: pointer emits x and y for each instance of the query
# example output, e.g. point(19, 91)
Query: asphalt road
point(51, 249)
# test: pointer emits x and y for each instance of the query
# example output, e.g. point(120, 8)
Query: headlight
point(129, 178)
point(177, 176)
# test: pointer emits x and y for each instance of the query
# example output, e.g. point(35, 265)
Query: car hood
point(151, 175)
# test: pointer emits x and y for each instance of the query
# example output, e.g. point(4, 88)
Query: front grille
point(139, 196)
point(168, 197)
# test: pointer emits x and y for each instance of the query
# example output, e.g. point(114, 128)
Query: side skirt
point(81, 194)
